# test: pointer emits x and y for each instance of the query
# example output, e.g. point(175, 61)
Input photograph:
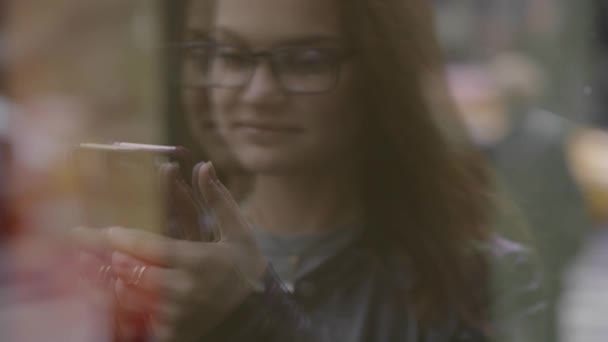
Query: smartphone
point(121, 185)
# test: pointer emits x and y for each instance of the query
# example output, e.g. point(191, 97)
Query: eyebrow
point(314, 38)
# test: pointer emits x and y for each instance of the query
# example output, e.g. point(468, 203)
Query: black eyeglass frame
point(341, 55)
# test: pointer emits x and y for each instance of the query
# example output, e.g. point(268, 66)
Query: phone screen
point(120, 184)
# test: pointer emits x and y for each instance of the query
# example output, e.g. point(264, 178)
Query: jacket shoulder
point(517, 289)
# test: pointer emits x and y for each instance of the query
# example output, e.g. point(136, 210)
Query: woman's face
point(270, 125)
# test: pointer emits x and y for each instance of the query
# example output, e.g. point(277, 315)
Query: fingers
point(162, 331)
point(224, 208)
point(92, 257)
point(158, 250)
point(93, 270)
point(183, 207)
point(160, 292)
point(132, 299)
point(164, 295)
point(150, 278)
point(149, 247)
point(136, 273)
point(208, 228)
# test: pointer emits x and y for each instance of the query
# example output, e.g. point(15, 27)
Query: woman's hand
point(189, 287)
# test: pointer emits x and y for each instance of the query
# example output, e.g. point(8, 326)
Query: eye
point(306, 60)
point(231, 58)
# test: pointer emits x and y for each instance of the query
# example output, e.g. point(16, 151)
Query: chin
point(271, 163)
point(267, 165)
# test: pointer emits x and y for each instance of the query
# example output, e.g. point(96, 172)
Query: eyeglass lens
point(298, 69)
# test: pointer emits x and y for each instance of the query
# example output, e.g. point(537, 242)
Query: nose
point(263, 87)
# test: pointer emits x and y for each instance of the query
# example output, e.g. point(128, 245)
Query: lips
point(265, 133)
point(265, 127)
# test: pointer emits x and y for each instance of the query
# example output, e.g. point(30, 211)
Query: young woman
point(376, 222)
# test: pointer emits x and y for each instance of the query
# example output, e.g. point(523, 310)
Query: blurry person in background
point(527, 148)
point(376, 222)
point(502, 86)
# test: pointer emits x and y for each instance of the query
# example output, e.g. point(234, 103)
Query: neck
point(305, 202)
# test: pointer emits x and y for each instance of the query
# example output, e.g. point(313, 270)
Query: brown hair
point(426, 190)
point(427, 194)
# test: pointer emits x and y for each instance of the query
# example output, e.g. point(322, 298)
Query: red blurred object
point(8, 215)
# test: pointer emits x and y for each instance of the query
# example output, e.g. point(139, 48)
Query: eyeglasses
point(297, 69)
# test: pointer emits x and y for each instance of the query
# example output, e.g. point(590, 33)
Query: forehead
point(266, 22)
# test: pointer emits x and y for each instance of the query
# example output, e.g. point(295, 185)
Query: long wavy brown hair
point(427, 193)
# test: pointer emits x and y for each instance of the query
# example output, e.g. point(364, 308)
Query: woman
point(376, 223)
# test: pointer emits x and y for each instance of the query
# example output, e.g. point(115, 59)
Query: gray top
point(294, 256)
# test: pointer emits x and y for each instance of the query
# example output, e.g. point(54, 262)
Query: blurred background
point(530, 78)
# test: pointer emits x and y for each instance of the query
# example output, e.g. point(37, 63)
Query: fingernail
point(114, 233)
point(198, 166)
point(212, 172)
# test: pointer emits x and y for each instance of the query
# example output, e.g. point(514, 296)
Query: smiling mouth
point(265, 127)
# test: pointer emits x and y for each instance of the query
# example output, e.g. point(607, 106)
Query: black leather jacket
point(353, 297)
